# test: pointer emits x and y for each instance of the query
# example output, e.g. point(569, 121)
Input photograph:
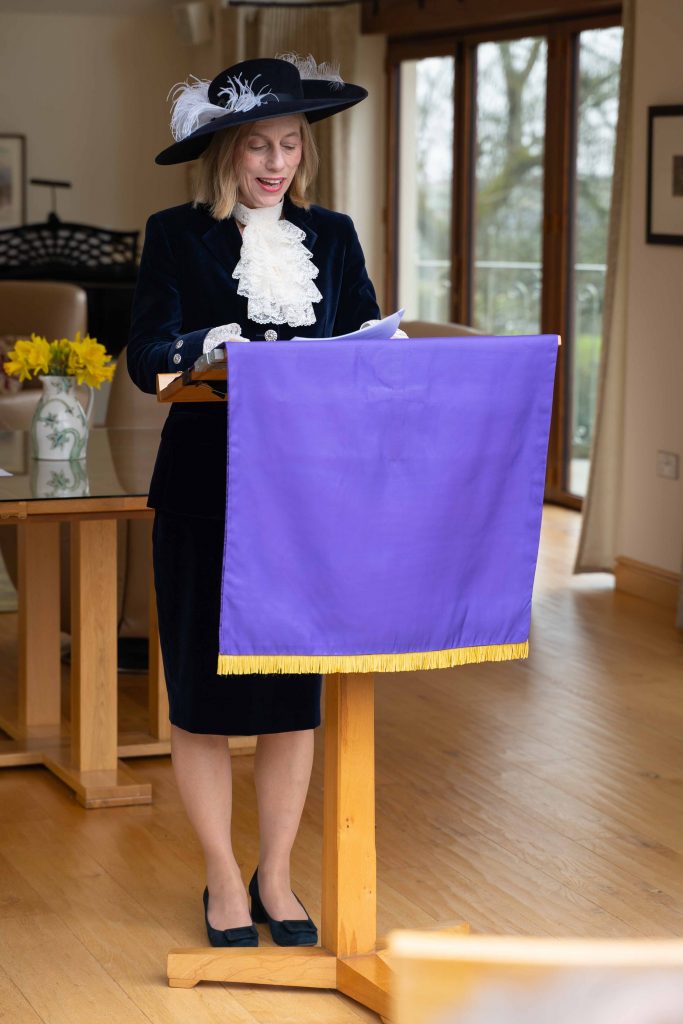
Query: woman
point(249, 259)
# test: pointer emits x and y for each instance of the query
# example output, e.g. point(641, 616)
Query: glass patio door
point(425, 188)
point(505, 152)
point(507, 213)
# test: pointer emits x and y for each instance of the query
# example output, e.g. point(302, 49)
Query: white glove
point(397, 334)
point(217, 335)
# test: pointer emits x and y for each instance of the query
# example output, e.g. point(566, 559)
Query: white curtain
point(597, 543)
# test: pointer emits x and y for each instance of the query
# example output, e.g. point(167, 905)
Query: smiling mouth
point(270, 183)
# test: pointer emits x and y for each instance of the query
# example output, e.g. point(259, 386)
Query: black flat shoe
point(284, 933)
point(244, 936)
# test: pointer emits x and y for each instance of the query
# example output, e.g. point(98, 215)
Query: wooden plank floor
point(541, 798)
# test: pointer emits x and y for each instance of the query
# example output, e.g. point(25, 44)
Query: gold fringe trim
point(243, 664)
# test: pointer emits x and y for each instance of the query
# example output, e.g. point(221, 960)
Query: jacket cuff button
point(180, 342)
point(177, 357)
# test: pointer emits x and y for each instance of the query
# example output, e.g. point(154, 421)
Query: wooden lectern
point(348, 959)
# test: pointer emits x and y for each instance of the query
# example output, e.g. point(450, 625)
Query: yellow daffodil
point(83, 358)
point(14, 367)
point(89, 361)
point(28, 358)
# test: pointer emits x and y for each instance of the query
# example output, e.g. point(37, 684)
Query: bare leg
point(204, 778)
point(282, 772)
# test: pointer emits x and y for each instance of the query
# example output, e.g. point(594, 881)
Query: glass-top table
point(118, 465)
point(111, 483)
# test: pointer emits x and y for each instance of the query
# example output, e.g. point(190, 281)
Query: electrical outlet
point(667, 465)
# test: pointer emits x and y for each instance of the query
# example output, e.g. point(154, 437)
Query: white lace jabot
point(275, 270)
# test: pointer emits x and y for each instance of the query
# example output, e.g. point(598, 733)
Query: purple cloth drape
point(384, 497)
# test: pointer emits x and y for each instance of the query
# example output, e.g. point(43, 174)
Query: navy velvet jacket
point(185, 287)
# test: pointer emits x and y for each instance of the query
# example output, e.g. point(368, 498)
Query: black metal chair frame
point(60, 250)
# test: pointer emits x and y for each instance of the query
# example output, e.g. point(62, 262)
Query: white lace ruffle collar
point(275, 270)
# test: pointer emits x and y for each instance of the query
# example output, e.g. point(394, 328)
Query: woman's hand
point(217, 335)
point(397, 334)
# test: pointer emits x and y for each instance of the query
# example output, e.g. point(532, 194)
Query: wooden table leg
point(92, 769)
point(93, 646)
point(39, 653)
point(32, 719)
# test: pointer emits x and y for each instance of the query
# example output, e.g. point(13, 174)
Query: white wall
point(89, 92)
point(651, 524)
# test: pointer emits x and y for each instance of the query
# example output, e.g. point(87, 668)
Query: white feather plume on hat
point(192, 107)
point(328, 71)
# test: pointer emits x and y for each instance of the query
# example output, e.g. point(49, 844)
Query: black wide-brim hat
point(254, 90)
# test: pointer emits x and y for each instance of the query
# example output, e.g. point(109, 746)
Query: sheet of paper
point(4, 472)
point(381, 331)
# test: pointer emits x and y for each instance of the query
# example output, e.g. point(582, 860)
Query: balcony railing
point(507, 300)
point(507, 295)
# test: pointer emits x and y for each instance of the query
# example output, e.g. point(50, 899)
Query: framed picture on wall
point(665, 175)
point(12, 180)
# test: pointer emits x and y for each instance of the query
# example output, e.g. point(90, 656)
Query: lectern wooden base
point(348, 959)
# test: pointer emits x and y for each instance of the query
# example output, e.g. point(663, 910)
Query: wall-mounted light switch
point(667, 465)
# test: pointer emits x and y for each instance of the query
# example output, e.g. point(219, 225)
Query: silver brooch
point(270, 335)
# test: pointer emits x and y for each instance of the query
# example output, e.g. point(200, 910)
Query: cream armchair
point(54, 309)
point(432, 329)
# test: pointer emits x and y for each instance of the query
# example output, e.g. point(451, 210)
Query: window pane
point(508, 200)
point(598, 104)
point(425, 183)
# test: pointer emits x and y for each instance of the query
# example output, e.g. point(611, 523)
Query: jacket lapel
point(223, 240)
point(303, 220)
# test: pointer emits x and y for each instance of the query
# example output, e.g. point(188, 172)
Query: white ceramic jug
point(59, 429)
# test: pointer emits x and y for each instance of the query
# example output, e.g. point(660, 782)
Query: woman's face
point(267, 160)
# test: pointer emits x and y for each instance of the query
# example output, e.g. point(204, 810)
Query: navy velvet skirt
point(188, 558)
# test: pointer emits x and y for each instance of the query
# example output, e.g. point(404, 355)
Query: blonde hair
point(215, 182)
